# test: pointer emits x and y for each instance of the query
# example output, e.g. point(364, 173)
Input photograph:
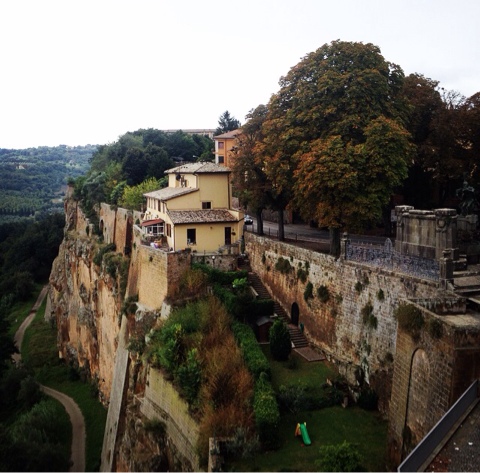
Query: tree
point(323, 128)
point(249, 179)
point(226, 123)
point(132, 197)
point(280, 342)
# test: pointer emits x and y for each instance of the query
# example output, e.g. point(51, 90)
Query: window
point(169, 230)
point(221, 160)
point(221, 145)
point(156, 229)
point(206, 205)
point(191, 236)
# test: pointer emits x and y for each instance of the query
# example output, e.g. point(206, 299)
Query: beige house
point(195, 210)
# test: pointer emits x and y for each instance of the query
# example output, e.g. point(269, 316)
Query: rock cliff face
point(86, 303)
point(90, 283)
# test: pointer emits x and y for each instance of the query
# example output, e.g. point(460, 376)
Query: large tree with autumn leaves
point(334, 143)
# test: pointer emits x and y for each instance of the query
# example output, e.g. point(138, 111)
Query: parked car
point(248, 220)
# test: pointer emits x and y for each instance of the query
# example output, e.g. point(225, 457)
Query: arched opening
point(295, 314)
point(101, 226)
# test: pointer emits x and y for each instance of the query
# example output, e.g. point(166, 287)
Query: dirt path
point(76, 417)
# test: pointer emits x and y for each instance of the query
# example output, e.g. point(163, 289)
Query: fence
point(386, 257)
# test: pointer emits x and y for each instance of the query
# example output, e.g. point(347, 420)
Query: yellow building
point(223, 147)
point(195, 210)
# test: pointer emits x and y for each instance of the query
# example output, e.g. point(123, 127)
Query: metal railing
point(424, 450)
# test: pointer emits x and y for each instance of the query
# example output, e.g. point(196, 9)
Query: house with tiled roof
point(195, 210)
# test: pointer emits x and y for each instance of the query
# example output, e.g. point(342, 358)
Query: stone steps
point(296, 335)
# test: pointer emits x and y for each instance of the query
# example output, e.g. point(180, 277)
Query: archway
point(295, 314)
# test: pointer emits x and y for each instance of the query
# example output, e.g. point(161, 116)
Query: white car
point(248, 220)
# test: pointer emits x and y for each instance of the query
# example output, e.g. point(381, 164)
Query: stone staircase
point(296, 335)
point(466, 283)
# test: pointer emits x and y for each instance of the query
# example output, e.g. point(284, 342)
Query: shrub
point(308, 293)
point(367, 316)
point(302, 274)
point(292, 398)
point(193, 282)
point(98, 258)
point(283, 265)
point(190, 376)
point(253, 355)
point(380, 295)
point(224, 278)
point(358, 287)
point(280, 342)
point(341, 457)
point(323, 293)
point(267, 415)
point(410, 319)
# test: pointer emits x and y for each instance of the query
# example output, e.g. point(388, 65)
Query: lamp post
point(213, 259)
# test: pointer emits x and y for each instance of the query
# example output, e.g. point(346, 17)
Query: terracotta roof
point(198, 168)
point(147, 223)
point(229, 134)
point(201, 216)
point(170, 192)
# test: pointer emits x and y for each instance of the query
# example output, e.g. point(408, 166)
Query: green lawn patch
point(326, 426)
point(39, 351)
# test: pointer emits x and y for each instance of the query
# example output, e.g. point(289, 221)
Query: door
point(228, 235)
point(295, 314)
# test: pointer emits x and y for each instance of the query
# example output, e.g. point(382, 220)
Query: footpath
point(76, 417)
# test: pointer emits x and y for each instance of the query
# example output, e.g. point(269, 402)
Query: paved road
point(306, 233)
point(76, 417)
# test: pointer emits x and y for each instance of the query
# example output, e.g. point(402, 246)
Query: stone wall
point(116, 226)
point(431, 371)
point(155, 274)
point(425, 233)
point(162, 402)
point(356, 326)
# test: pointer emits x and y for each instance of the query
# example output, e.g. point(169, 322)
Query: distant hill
point(32, 180)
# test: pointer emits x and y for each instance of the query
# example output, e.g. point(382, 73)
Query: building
point(223, 147)
point(195, 210)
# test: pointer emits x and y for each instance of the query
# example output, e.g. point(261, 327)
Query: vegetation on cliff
point(118, 169)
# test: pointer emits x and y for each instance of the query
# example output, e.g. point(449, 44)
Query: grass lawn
point(331, 425)
point(39, 351)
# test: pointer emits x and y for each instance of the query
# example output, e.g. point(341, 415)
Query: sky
point(86, 72)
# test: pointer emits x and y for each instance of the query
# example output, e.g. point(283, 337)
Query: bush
point(341, 457)
point(323, 293)
point(190, 376)
point(308, 293)
point(283, 265)
point(280, 342)
point(224, 278)
point(253, 355)
point(267, 415)
point(367, 316)
point(98, 258)
point(410, 319)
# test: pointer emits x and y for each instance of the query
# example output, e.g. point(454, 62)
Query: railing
point(384, 256)
point(422, 452)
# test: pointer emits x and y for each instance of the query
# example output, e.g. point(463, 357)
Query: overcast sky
point(86, 72)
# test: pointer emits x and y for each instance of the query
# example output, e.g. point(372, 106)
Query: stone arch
point(295, 314)
point(418, 398)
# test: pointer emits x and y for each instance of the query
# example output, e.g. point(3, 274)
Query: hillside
point(33, 180)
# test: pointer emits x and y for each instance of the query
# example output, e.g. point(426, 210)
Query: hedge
point(253, 355)
point(267, 414)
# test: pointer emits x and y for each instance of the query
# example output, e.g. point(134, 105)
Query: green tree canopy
point(226, 123)
point(323, 140)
